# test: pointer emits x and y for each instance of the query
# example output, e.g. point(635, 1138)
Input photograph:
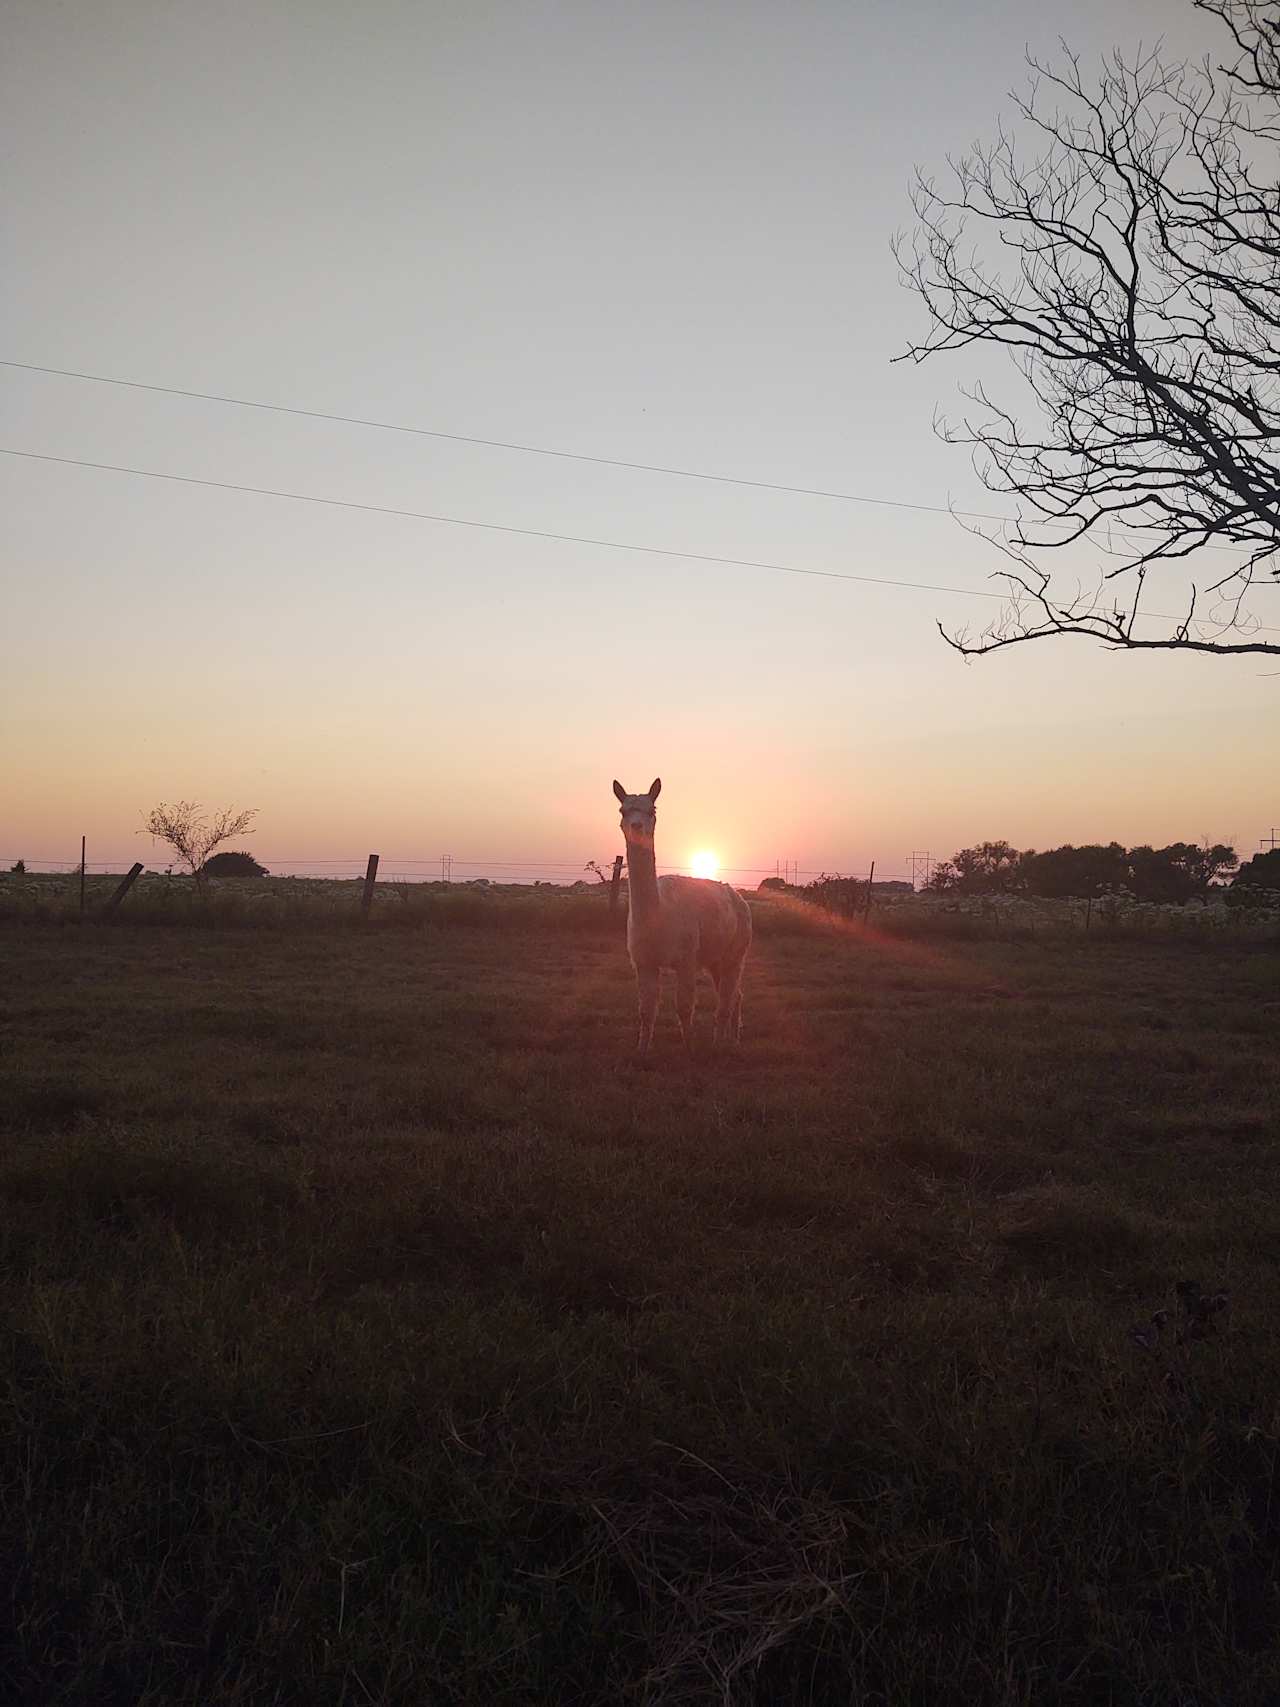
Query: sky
point(654, 234)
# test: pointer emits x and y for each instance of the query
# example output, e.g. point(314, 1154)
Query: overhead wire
point(503, 444)
point(541, 533)
point(541, 450)
point(499, 527)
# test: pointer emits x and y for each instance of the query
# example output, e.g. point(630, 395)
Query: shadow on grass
point(92, 1182)
point(1055, 1227)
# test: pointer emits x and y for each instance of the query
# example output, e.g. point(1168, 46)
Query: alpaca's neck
point(642, 879)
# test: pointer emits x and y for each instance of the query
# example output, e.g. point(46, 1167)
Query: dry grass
point(376, 1331)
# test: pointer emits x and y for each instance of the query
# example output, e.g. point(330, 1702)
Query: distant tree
point(1260, 872)
point(1085, 871)
point(1182, 871)
point(1215, 862)
point(192, 836)
point(991, 868)
point(1120, 239)
point(234, 864)
point(18, 868)
point(1179, 872)
point(771, 884)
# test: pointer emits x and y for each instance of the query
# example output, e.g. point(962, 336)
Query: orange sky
point(662, 239)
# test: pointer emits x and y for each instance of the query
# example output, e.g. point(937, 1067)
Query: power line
point(535, 533)
point(544, 450)
point(506, 444)
point(499, 527)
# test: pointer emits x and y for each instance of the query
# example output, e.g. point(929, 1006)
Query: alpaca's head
point(639, 811)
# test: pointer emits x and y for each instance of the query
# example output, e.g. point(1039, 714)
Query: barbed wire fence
point(449, 869)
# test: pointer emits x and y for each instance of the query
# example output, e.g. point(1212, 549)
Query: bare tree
point(191, 835)
point(1124, 246)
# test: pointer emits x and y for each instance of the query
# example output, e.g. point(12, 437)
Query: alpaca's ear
point(619, 790)
point(655, 788)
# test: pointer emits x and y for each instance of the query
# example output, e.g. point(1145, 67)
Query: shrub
point(1261, 872)
point(237, 864)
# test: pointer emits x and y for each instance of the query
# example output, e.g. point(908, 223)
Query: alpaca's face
point(638, 817)
point(639, 811)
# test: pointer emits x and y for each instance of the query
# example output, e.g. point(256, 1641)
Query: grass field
point(375, 1331)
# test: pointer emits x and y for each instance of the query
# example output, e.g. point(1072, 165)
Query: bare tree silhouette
point(191, 835)
point(1124, 246)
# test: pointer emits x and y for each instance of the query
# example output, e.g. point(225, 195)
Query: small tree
point(992, 868)
point(845, 895)
point(1088, 871)
point(1180, 872)
point(191, 835)
point(1261, 872)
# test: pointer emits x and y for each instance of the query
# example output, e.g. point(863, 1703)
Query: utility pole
point(1270, 841)
point(446, 868)
point(921, 867)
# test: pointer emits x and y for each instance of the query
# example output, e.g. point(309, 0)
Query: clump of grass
point(92, 1184)
point(1063, 1226)
point(50, 1101)
point(993, 1166)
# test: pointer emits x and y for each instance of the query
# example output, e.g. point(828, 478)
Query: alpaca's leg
point(729, 1012)
point(731, 997)
point(686, 997)
point(647, 989)
point(724, 989)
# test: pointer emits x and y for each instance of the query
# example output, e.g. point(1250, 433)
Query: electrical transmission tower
point(921, 868)
point(446, 868)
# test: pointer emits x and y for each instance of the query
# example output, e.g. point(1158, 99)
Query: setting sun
point(704, 864)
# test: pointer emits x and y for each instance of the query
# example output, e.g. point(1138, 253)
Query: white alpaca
point(683, 923)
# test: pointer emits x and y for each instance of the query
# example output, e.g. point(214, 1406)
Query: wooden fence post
point(126, 884)
point(82, 877)
point(370, 877)
point(616, 884)
point(870, 884)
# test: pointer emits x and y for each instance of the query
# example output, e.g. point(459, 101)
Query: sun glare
point(704, 864)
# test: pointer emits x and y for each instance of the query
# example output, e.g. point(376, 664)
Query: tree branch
point(1131, 267)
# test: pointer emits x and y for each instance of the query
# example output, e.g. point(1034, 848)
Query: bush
point(845, 896)
point(1261, 872)
point(237, 864)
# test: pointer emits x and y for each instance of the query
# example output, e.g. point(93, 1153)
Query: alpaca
point(683, 923)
